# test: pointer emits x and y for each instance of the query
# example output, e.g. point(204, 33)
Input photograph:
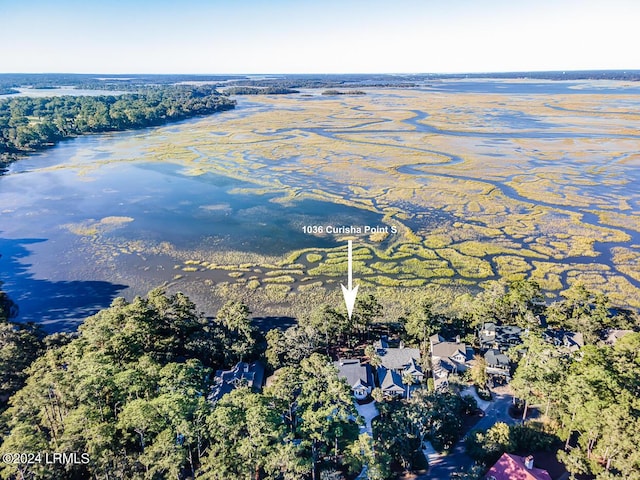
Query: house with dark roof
point(570, 341)
point(448, 358)
point(497, 363)
point(242, 374)
point(382, 343)
point(394, 364)
point(358, 376)
point(415, 370)
point(514, 467)
point(501, 337)
point(487, 334)
point(391, 383)
point(494, 341)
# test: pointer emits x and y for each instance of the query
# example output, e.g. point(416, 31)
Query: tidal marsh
point(478, 186)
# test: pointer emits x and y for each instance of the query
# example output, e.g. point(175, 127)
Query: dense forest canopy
point(130, 389)
point(28, 123)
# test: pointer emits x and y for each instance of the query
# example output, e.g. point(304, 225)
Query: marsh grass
point(279, 279)
point(427, 268)
point(511, 267)
point(95, 227)
point(275, 273)
point(314, 257)
point(277, 293)
point(310, 286)
point(466, 266)
point(627, 261)
point(333, 150)
point(386, 267)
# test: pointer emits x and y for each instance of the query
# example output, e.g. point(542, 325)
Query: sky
point(317, 36)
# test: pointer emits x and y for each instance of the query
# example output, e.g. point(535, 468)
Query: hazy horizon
point(123, 75)
point(201, 37)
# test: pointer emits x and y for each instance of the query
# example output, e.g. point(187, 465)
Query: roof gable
point(449, 350)
point(496, 358)
point(413, 368)
point(354, 372)
point(390, 381)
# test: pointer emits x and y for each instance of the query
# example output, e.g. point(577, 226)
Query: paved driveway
point(497, 411)
point(368, 411)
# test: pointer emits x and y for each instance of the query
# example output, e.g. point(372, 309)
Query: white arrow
point(351, 292)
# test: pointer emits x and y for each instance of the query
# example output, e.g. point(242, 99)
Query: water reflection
point(56, 305)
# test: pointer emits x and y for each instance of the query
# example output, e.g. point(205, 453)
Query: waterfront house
point(570, 341)
point(242, 374)
point(396, 363)
point(358, 376)
point(447, 358)
point(497, 363)
point(501, 337)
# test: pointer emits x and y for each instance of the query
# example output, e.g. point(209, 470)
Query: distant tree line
point(28, 124)
point(296, 82)
point(624, 75)
point(260, 91)
point(343, 92)
point(132, 83)
point(107, 81)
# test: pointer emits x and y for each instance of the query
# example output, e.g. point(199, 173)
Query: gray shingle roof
point(413, 368)
point(398, 358)
point(390, 381)
point(570, 340)
point(448, 349)
point(354, 372)
point(502, 335)
point(495, 358)
point(613, 335)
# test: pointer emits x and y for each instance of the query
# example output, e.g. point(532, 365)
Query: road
point(457, 460)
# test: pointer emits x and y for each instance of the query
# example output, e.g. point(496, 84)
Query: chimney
point(528, 462)
point(457, 338)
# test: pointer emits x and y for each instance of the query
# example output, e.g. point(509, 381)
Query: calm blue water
point(520, 87)
point(166, 206)
point(55, 275)
point(59, 277)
